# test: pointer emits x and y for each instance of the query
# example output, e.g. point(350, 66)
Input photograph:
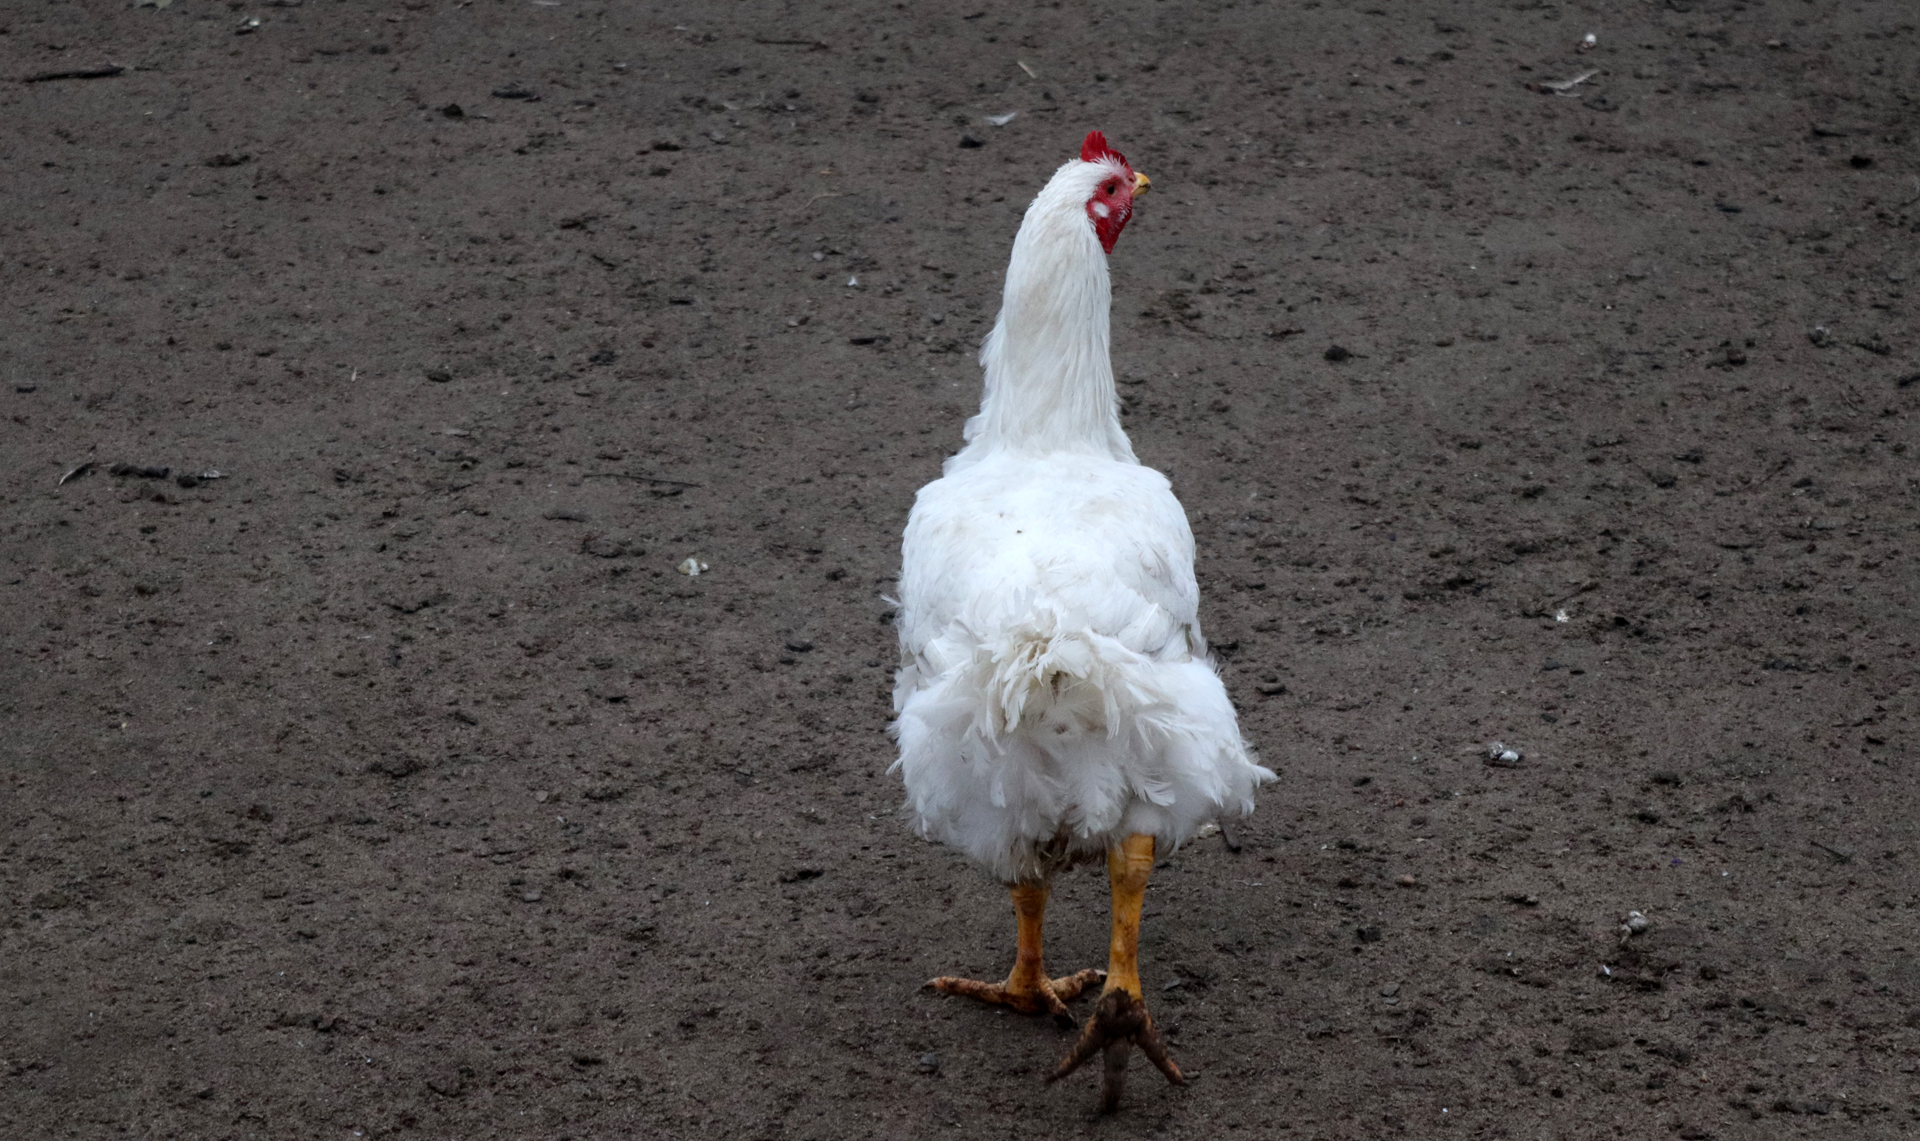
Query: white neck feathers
point(1049, 382)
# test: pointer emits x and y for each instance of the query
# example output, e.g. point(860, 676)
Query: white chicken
point(1056, 703)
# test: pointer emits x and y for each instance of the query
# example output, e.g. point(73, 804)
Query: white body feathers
point(1055, 694)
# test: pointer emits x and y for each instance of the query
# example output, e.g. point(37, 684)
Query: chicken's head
point(1112, 201)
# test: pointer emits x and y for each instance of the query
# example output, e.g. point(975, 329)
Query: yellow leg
point(1120, 1020)
point(1027, 988)
point(1128, 866)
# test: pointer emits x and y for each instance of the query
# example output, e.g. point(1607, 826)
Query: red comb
point(1095, 149)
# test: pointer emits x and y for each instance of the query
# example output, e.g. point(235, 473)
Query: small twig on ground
point(640, 478)
point(817, 45)
point(1839, 857)
point(106, 72)
point(1561, 86)
point(75, 472)
point(1579, 589)
point(143, 471)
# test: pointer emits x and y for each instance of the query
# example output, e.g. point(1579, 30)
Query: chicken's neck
point(1049, 383)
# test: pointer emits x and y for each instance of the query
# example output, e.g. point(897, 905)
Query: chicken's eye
point(1111, 187)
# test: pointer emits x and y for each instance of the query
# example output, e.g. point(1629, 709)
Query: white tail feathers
point(1043, 730)
point(1044, 671)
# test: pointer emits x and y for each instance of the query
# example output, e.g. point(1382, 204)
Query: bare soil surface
point(396, 783)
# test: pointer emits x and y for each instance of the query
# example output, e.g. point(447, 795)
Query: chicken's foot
point(1027, 988)
point(1120, 1021)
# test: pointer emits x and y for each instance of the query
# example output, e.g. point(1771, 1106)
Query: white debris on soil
point(1564, 86)
point(1635, 923)
point(692, 568)
point(1001, 120)
point(1499, 756)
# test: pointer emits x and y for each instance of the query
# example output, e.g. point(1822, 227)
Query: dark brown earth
point(396, 783)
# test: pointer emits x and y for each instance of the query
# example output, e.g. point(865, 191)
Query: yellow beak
point(1141, 183)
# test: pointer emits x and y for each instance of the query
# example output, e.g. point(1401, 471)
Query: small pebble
point(1407, 881)
point(531, 895)
point(928, 1064)
point(1500, 756)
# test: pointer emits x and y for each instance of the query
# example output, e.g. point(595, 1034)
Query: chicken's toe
point(1119, 1023)
point(1070, 986)
point(1040, 995)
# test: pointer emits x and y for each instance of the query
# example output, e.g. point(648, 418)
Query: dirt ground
point(394, 782)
